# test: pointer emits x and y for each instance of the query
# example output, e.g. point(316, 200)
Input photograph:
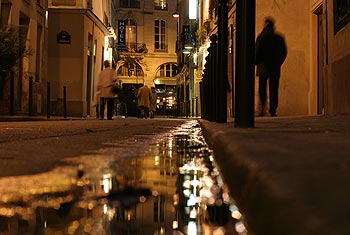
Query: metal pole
point(48, 101)
point(30, 97)
point(12, 93)
point(245, 48)
point(212, 76)
point(64, 101)
point(221, 101)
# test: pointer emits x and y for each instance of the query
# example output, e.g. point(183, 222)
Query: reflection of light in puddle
point(182, 159)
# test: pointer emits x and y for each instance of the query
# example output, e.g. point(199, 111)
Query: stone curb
point(267, 208)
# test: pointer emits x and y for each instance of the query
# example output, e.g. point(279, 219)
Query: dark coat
point(144, 96)
point(270, 53)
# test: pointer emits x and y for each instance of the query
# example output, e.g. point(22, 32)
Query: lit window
point(127, 35)
point(167, 70)
point(130, 69)
point(160, 4)
point(131, 34)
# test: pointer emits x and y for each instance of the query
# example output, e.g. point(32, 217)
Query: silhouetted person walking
point(105, 84)
point(270, 53)
point(144, 96)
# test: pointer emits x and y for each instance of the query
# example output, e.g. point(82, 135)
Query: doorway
point(89, 86)
point(320, 61)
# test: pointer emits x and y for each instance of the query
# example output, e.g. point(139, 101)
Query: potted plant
point(11, 49)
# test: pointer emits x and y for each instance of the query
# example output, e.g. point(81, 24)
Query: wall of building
point(68, 62)
point(337, 66)
point(309, 86)
point(34, 63)
point(292, 20)
point(144, 18)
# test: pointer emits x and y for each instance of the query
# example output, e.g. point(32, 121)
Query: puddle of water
point(175, 189)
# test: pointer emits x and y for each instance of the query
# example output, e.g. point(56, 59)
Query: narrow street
point(127, 176)
point(35, 147)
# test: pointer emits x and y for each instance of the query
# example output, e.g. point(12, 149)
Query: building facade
point(313, 77)
point(81, 37)
point(24, 90)
point(146, 50)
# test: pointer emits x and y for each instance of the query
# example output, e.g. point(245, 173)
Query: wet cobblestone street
point(173, 187)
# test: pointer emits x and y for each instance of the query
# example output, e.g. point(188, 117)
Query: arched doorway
point(132, 76)
point(165, 84)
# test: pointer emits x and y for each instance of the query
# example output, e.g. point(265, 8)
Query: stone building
point(314, 75)
point(25, 91)
point(146, 49)
point(81, 37)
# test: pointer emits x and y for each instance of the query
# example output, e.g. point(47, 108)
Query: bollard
point(201, 94)
point(30, 97)
point(222, 78)
point(245, 78)
point(48, 101)
point(12, 93)
point(212, 77)
point(64, 101)
point(197, 106)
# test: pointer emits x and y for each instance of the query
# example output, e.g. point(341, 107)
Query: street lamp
point(176, 14)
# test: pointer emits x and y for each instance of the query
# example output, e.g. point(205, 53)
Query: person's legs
point(273, 87)
point(146, 112)
point(97, 111)
point(262, 93)
point(142, 111)
point(102, 108)
point(110, 108)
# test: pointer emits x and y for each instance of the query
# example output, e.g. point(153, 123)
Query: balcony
point(133, 48)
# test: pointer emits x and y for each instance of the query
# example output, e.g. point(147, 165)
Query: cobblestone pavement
point(37, 146)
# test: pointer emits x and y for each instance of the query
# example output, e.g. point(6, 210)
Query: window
point(131, 33)
point(167, 70)
point(130, 69)
point(160, 5)
point(5, 12)
point(127, 35)
point(130, 3)
point(341, 14)
point(159, 35)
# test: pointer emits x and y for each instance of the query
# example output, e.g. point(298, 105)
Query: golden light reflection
point(175, 224)
point(198, 189)
point(240, 228)
point(156, 160)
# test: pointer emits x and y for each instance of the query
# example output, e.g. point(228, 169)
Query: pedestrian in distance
point(144, 96)
point(270, 53)
point(106, 81)
point(153, 104)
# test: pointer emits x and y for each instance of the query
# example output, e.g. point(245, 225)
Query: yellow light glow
point(175, 224)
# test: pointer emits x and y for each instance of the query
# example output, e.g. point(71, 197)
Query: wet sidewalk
point(289, 175)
